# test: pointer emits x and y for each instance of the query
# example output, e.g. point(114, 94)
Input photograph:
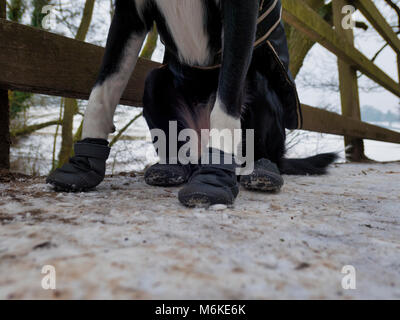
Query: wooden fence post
point(348, 85)
point(4, 115)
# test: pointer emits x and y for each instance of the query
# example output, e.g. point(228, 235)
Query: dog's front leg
point(239, 33)
point(216, 183)
point(123, 46)
point(87, 168)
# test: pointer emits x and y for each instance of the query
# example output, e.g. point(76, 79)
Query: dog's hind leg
point(160, 109)
point(87, 168)
point(176, 111)
point(264, 114)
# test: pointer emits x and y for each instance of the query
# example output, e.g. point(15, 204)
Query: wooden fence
point(37, 61)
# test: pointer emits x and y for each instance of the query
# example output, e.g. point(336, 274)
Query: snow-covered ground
point(33, 155)
point(130, 240)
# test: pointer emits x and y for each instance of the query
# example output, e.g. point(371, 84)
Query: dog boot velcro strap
point(91, 150)
point(85, 170)
point(268, 165)
point(265, 177)
point(211, 184)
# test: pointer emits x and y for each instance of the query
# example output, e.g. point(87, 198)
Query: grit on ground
point(130, 240)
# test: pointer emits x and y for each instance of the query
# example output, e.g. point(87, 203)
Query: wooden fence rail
point(371, 12)
point(37, 61)
point(302, 17)
point(33, 60)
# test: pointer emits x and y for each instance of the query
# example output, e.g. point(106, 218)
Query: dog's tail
point(316, 165)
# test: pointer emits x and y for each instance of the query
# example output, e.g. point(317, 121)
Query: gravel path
point(129, 240)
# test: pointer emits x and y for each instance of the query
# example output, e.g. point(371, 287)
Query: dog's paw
point(85, 170)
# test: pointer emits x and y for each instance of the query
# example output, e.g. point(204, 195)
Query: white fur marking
point(222, 124)
point(99, 114)
point(185, 20)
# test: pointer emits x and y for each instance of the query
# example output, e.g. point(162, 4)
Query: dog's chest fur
point(187, 24)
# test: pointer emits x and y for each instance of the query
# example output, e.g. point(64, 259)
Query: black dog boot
point(167, 175)
point(85, 170)
point(211, 184)
point(265, 177)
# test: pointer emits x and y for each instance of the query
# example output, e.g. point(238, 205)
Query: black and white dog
point(226, 67)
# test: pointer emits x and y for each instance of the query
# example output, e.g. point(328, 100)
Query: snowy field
point(33, 155)
point(130, 240)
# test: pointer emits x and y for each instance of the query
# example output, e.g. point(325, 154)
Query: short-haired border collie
point(226, 68)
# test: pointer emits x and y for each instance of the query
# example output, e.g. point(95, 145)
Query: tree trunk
point(16, 9)
point(299, 44)
point(71, 105)
point(151, 44)
point(70, 109)
point(37, 15)
point(86, 20)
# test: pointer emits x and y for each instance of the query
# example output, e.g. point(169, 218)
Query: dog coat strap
point(266, 10)
point(269, 18)
point(91, 150)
